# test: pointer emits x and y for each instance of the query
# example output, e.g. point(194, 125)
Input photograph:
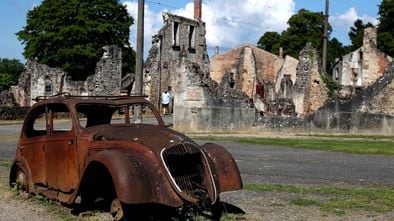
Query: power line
point(230, 20)
point(224, 18)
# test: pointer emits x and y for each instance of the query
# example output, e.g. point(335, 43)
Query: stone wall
point(259, 64)
point(309, 91)
point(362, 67)
point(213, 119)
point(370, 111)
point(179, 37)
point(42, 80)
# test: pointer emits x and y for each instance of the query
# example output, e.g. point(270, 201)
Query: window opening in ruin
point(48, 88)
point(232, 82)
point(336, 74)
point(192, 39)
point(175, 34)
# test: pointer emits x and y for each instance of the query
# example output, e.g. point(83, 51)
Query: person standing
point(165, 101)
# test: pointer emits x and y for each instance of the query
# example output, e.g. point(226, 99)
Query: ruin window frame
point(48, 87)
point(176, 38)
point(192, 38)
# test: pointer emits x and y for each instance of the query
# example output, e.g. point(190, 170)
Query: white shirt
point(165, 98)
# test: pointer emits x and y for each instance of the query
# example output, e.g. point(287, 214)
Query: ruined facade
point(309, 91)
point(42, 80)
point(179, 38)
point(263, 76)
point(362, 67)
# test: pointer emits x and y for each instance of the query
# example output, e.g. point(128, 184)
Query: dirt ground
point(272, 206)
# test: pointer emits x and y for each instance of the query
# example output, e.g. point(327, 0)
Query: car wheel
point(117, 210)
point(21, 182)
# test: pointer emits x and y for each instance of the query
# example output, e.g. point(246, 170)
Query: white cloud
point(341, 23)
point(228, 22)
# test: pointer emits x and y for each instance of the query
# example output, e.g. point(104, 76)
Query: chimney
point(370, 37)
point(216, 50)
point(197, 9)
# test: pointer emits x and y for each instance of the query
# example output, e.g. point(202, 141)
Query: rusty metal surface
point(140, 162)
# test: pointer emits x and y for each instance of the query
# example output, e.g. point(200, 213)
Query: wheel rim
point(21, 181)
point(116, 209)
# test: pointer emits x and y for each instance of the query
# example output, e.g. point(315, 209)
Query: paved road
point(269, 164)
point(261, 163)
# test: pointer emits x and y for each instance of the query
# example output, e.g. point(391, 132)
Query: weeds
point(333, 199)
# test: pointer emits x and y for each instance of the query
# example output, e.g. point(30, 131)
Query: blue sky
point(229, 22)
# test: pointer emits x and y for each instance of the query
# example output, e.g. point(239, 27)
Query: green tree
point(70, 34)
point(305, 26)
point(270, 41)
point(10, 69)
point(356, 33)
point(385, 28)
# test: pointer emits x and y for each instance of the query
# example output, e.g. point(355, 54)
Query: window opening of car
point(49, 119)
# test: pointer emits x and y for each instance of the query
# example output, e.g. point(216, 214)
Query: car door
point(32, 144)
point(60, 150)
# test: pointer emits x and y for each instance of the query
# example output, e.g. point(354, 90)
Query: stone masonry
point(362, 67)
point(42, 80)
point(309, 92)
point(179, 38)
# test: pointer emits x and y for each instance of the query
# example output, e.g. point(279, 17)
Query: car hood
point(151, 136)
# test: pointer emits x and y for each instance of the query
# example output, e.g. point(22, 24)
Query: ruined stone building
point(42, 80)
point(362, 67)
point(309, 90)
point(179, 38)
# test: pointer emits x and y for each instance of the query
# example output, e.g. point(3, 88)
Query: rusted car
point(80, 150)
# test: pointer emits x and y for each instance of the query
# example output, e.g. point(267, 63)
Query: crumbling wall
point(179, 37)
point(265, 65)
point(374, 61)
point(382, 101)
point(370, 111)
point(107, 79)
point(309, 91)
point(362, 67)
point(42, 80)
point(288, 69)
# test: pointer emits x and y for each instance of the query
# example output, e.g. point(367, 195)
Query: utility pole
point(140, 49)
point(139, 59)
point(324, 63)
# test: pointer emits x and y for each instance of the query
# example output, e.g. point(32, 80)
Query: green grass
point(333, 199)
point(5, 163)
point(349, 145)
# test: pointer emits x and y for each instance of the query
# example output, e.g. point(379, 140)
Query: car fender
point(224, 167)
point(136, 177)
point(21, 163)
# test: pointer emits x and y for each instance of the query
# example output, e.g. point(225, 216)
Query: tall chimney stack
point(197, 9)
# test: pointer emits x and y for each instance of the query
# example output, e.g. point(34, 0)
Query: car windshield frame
point(90, 114)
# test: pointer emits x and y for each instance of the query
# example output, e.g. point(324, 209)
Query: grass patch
point(334, 200)
point(5, 163)
point(358, 146)
point(304, 202)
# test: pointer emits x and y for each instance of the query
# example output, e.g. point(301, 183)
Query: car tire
point(21, 181)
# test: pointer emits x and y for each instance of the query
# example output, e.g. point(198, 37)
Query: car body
point(117, 149)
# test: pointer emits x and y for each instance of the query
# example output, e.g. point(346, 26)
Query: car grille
point(185, 163)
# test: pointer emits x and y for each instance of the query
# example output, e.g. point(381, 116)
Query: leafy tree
point(305, 26)
point(356, 34)
point(9, 72)
point(335, 50)
point(385, 28)
point(270, 41)
point(70, 34)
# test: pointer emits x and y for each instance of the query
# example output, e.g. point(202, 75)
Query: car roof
point(73, 100)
